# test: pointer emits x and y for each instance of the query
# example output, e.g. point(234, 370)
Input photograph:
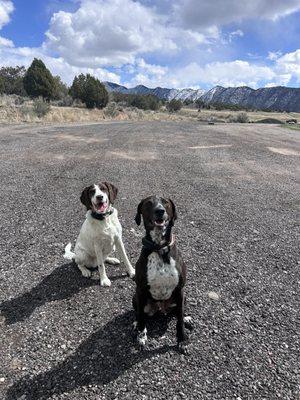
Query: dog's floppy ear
point(173, 210)
point(112, 191)
point(138, 216)
point(85, 198)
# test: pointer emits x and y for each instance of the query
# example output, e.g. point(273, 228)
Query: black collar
point(101, 217)
point(150, 246)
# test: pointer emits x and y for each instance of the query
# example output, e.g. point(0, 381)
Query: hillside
point(277, 98)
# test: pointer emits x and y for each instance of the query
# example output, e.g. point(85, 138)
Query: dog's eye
point(92, 192)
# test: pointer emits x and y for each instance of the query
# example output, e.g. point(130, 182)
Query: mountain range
point(278, 98)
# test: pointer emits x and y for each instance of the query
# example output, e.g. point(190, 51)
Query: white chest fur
point(162, 277)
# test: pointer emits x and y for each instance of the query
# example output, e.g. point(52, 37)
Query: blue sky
point(179, 43)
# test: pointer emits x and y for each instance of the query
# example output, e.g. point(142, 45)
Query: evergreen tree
point(174, 105)
point(38, 81)
point(89, 90)
point(77, 88)
point(12, 80)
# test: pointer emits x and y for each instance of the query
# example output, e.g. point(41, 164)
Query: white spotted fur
point(96, 241)
point(162, 277)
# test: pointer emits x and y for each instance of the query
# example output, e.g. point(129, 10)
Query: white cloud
point(103, 32)
point(198, 14)
point(5, 42)
point(12, 56)
point(289, 64)
point(238, 33)
point(233, 73)
point(274, 55)
point(123, 33)
point(6, 8)
point(116, 32)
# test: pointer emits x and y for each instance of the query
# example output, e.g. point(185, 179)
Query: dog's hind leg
point(85, 271)
point(112, 260)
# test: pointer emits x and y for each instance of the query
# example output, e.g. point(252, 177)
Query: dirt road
point(236, 190)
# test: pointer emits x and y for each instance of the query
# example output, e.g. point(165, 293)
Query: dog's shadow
point(102, 358)
point(62, 283)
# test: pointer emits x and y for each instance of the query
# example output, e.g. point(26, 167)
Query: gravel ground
point(235, 186)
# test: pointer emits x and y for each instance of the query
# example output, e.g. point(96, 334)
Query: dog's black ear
point(85, 198)
point(112, 191)
point(138, 216)
point(173, 210)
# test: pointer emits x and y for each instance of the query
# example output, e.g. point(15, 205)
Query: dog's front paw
point(86, 273)
point(131, 273)
point(183, 347)
point(142, 338)
point(113, 260)
point(188, 322)
point(105, 282)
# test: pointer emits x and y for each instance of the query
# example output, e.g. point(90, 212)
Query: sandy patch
point(131, 155)
point(216, 146)
point(285, 152)
point(75, 138)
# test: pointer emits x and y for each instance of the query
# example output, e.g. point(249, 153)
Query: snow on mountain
point(275, 98)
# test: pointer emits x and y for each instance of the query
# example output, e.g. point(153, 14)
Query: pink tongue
point(102, 207)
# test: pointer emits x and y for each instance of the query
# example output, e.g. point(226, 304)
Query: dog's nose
point(99, 197)
point(159, 211)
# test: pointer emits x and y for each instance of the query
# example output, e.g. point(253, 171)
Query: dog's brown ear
point(138, 216)
point(112, 191)
point(85, 198)
point(173, 210)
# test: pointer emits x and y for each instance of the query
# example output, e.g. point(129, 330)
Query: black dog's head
point(157, 212)
point(99, 197)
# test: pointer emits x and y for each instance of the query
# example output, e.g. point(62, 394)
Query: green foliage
point(95, 94)
point(60, 89)
point(143, 102)
point(41, 107)
point(89, 90)
point(174, 105)
point(38, 81)
point(77, 88)
point(11, 80)
point(200, 104)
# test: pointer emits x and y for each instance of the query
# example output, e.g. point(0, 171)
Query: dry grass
point(17, 110)
point(225, 116)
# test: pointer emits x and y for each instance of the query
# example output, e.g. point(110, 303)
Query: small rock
point(213, 295)
point(2, 379)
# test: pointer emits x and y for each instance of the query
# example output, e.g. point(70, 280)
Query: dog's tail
point(69, 255)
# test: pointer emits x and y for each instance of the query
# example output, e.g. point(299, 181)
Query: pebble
point(213, 295)
point(2, 379)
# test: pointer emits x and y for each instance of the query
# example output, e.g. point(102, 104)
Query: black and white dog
point(160, 270)
point(100, 234)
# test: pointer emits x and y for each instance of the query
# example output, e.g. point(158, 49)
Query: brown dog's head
point(98, 198)
point(157, 212)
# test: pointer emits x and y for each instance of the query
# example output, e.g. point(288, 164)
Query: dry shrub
point(241, 117)
point(41, 107)
point(111, 110)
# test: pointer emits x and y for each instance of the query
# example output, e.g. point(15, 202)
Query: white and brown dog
point(100, 234)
